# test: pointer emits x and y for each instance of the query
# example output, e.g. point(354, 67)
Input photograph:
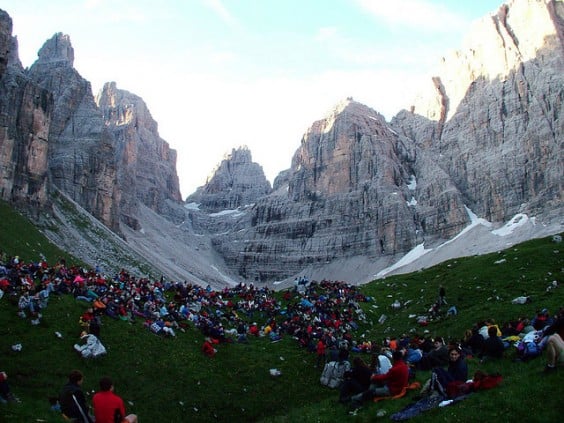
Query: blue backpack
point(528, 350)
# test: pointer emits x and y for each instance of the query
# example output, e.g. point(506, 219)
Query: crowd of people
point(446, 361)
point(321, 316)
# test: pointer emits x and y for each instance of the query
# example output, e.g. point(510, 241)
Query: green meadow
point(170, 380)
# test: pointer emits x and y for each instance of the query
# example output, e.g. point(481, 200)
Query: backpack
point(528, 350)
point(334, 373)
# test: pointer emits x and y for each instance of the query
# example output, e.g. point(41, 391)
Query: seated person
point(207, 348)
point(457, 371)
point(92, 348)
point(109, 407)
point(25, 303)
point(381, 364)
point(555, 347)
point(493, 346)
point(388, 384)
point(6, 394)
point(473, 342)
point(72, 399)
point(356, 380)
point(437, 357)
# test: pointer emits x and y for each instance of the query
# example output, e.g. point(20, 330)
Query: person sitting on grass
point(555, 346)
point(388, 384)
point(437, 357)
point(493, 346)
point(6, 394)
point(356, 380)
point(92, 347)
point(73, 401)
point(207, 347)
point(457, 371)
point(381, 363)
point(109, 407)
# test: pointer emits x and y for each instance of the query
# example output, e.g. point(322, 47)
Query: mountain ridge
point(484, 136)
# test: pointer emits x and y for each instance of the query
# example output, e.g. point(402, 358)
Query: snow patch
point(474, 221)
point(412, 202)
point(192, 206)
point(413, 255)
point(412, 184)
point(517, 221)
point(234, 212)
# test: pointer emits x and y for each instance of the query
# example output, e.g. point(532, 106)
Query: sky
point(220, 74)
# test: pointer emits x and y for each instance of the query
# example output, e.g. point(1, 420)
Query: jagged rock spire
point(57, 49)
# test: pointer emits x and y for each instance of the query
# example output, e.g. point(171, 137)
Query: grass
point(169, 380)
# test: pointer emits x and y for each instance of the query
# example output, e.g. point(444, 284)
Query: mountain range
point(472, 165)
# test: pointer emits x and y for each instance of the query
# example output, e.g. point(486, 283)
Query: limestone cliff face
point(486, 135)
point(347, 195)
point(81, 151)
point(237, 181)
point(493, 112)
point(146, 165)
point(25, 118)
point(106, 157)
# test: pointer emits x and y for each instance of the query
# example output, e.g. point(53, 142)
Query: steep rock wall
point(146, 165)
point(25, 119)
point(81, 152)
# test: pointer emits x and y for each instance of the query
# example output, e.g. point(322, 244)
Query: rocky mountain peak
point(58, 49)
point(341, 152)
point(147, 170)
point(235, 182)
point(496, 46)
point(345, 109)
point(5, 40)
point(120, 107)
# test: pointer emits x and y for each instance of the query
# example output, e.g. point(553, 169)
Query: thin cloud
point(218, 7)
point(325, 33)
point(414, 14)
point(92, 4)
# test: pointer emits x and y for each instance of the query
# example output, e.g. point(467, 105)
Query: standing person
point(320, 349)
point(442, 295)
point(109, 407)
point(72, 400)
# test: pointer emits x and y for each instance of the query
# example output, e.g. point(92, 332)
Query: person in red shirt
point(387, 384)
point(320, 349)
point(207, 348)
point(108, 407)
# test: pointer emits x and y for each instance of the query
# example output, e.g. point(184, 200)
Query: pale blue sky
point(217, 74)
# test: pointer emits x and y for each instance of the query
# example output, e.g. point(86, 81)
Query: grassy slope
point(168, 380)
